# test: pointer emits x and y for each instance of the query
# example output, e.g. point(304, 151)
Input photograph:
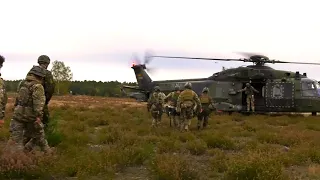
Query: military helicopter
point(279, 90)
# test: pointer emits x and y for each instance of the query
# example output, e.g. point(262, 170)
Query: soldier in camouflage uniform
point(187, 101)
point(26, 127)
point(3, 95)
point(173, 97)
point(155, 105)
point(207, 106)
point(249, 91)
point(48, 86)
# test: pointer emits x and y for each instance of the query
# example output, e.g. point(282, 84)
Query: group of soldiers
point(30, 114)
point(183, 106)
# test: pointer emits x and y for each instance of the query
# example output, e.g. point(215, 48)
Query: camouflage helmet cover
point(205, 89)
point(38, 71)
point(188, 85)
point(44, 59)
point(176, 88)
point(248, 84)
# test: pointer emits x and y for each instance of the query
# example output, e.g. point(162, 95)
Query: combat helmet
point(188, 85)
point(205, 90)
point(157, 88)
point(43, 59)
point(38, 71)
point(176, 88)
point(248, 84)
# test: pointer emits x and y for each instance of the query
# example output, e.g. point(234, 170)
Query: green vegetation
point(91, 88)
point(64, 85)
point(110, 138)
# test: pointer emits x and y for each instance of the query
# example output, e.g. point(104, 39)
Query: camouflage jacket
point(48, 85)
point(173, 98)
point(205, 100)
point(188, 96)
point(3, 98)
point(249, 90)
point(156, 99)
point(30, 100)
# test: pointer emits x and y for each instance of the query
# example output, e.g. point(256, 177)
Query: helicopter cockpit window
point(310, 88)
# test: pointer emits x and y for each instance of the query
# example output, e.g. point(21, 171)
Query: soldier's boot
point(158, 121)
point(199, 123)
point(175, 121)
point(153, 122)
point(205, 122)
point(48, 150)
point(29, 146)
point(181, 126)
point(186, 127)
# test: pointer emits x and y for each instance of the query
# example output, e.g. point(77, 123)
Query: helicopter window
point(309, 88)
point(277, 91)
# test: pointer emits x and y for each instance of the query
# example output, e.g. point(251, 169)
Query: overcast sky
point(97, 38)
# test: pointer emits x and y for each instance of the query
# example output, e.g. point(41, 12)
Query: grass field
point(109, 138)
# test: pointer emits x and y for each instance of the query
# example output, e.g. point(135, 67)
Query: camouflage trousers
point(45, 119)
point(156, 114)
point(173, 116)
point(27, 135)
point(186, 115)
point(203, 118)
point(250, 101)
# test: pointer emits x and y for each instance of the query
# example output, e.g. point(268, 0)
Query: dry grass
point(110, 138)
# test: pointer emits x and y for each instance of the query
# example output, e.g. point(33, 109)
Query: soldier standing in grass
point(26, 127)
point(155, 105)
point(249, 91)
point(173, 98)
point(207, 106)
point(48, 86)
point(186, 103)
point(3, 95)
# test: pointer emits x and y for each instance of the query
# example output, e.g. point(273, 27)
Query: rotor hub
point(259, 60)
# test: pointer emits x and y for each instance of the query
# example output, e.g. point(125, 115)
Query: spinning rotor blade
point(209, 59)
point(296, 62)
point(147, 57)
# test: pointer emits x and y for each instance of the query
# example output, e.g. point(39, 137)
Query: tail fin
point(143, 79)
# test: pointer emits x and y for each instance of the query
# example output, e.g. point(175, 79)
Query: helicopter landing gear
point(313, 113)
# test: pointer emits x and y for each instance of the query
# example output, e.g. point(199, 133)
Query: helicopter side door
point(279, 95)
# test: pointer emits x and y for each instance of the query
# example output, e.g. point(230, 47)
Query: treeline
point(91, 88)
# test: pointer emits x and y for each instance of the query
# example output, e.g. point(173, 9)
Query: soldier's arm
point(39, 100)
point(49, 86)
point(3, 99)
point(254, 89)
point(241, 90)
point(197, 100)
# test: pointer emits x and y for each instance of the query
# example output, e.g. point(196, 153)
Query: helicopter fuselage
point(279, 91)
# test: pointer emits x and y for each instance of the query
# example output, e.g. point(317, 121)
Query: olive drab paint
point(279, 90)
